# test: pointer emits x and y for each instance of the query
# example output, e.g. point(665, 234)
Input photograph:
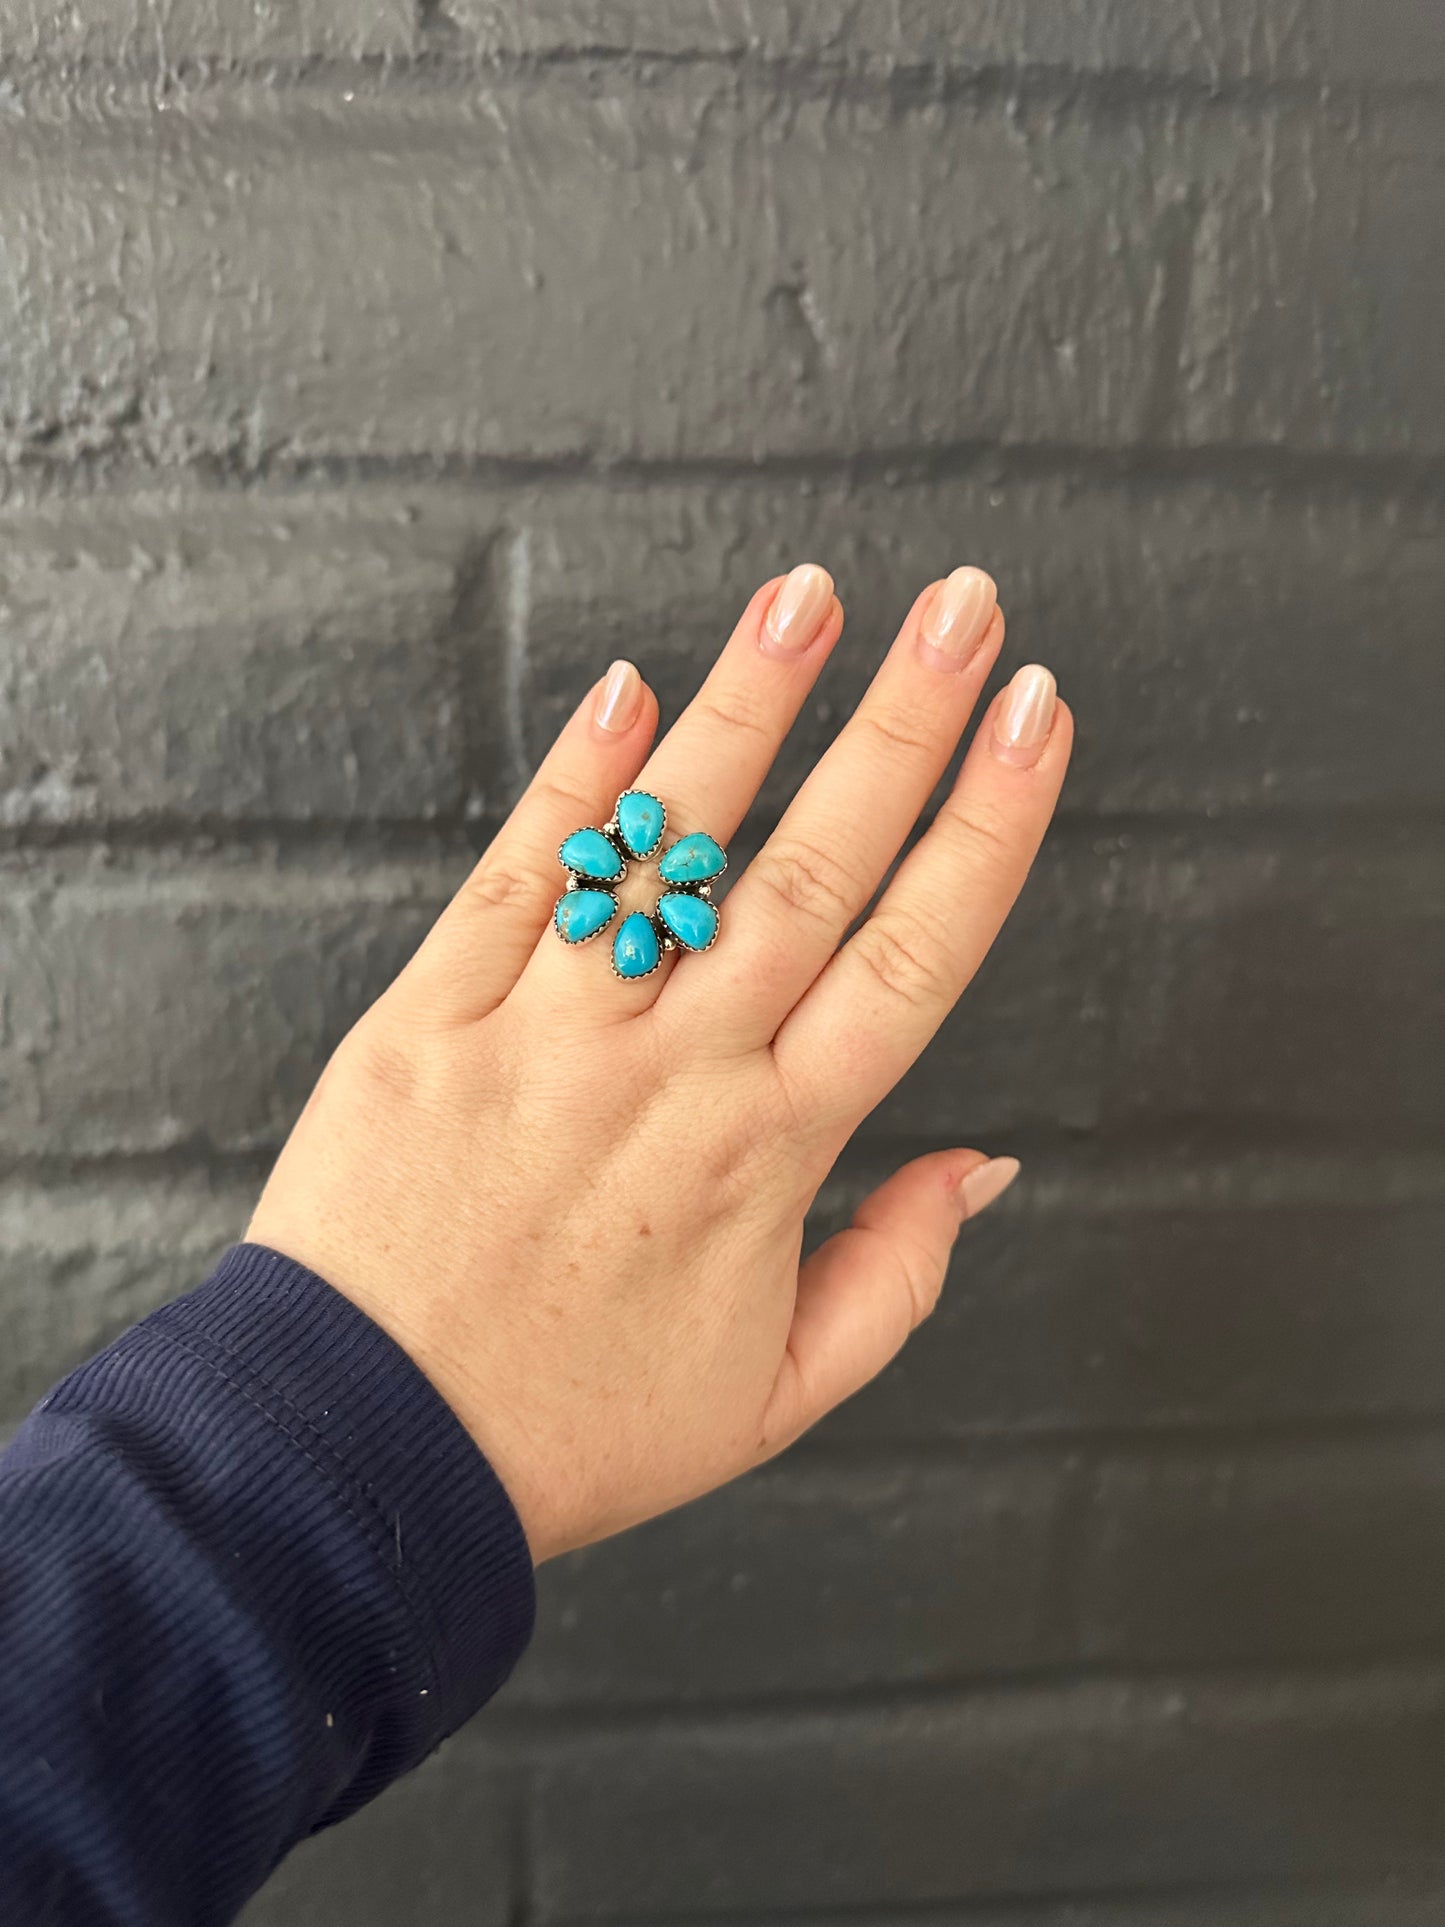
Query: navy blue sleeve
point(251, 1569)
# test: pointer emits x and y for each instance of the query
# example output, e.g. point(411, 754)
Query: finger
point(867, 1288)
point(709, 766)
point(820, 868)
point(888, 989)
point(477, 948)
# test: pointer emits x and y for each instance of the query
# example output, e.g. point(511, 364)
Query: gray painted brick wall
point(372, 372)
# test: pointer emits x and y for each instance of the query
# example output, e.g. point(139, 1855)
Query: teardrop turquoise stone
point(692, 859)
point(640, 820)
point(589, 853)
point(635, 948)
point(692, 920)
point(580, 913)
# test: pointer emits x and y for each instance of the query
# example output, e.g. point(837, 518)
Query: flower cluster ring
point(596, 861)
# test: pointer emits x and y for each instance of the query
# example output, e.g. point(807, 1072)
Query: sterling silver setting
point(612, 827)
point(608, 886)
point(577, 882)
point(636, 976)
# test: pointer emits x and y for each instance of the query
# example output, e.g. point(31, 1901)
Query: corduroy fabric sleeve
point(251, 1570)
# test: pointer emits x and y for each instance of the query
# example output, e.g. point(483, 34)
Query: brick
point(84, 1260)
point(1177, 984)
point(406, 653)
point(198, 656)
point(166, 34)
point(810, 1579)
point(436, 1847)
point(1255, 1002)
point(1134, 987)
point(1239, 294)
point(1331, 40)
point(1276, 1551)
point(238, 981)
point(417, 275)
point(1105, 1786)
point(1411, 53)
point(1097, 1318)
point(1127, 589)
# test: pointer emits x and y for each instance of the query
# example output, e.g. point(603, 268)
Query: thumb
point(864, 1291)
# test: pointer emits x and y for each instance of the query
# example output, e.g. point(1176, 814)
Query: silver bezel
point(638, 976)
point(584, 883)
point(608, 887)
point(703, 883)
point(600, 883)
point(612, 829)
point(674, 942)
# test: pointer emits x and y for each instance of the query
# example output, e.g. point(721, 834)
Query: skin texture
point(578, 1203)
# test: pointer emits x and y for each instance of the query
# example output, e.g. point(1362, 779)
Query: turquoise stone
point(640, 820)
point(692, 859)
point(635, 948)
point(589, 853)
point(581, 913)
point(692, 920)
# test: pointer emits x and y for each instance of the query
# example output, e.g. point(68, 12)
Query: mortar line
point(1232, 468)
point(1117, 87)
point(516, 653)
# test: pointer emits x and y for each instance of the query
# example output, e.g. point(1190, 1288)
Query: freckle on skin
point(644, 1231)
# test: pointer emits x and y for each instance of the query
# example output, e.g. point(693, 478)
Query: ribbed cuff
point(368, 1425)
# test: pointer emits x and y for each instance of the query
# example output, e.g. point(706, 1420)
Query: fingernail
point(957, 619)
point(985, 1182)
point(1025, 717)
point(798, 611)
point(621, 698)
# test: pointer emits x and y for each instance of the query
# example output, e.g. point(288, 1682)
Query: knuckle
point(895, 730)
point(918, 1278)
point(982, 836)
point(498, 886)
point(905, 958)
point(731, 714)
point(811, 882)
point(924, 1280)
point(562, 801)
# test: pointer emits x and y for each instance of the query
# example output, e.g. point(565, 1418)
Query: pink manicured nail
point(957, 619)
point(620, 699)
point(1025, 717)
point(798, 612)
point(984, 1183)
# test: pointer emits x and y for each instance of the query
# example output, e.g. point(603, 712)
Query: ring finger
point(710, 765)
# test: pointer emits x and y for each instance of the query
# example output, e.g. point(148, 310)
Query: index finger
point(883, 995)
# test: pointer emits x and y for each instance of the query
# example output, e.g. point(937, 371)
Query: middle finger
point(819, 869)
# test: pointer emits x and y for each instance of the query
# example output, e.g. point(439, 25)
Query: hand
point(578, 1202)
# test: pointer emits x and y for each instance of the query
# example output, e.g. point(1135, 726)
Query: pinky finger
point(883, 995)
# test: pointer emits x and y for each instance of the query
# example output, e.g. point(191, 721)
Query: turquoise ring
point(684, 917)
